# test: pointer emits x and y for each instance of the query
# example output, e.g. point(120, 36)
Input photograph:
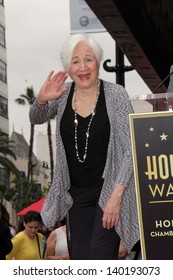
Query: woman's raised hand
point(51, 89)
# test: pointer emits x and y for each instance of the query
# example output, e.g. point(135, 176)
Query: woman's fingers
point(109, 221)
point(51, 88)
point(50, 75)
point(111, 215)
point(60, 76)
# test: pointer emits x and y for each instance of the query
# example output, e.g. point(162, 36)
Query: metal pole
point(119, 68)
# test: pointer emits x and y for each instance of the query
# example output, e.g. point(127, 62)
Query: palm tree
point(49, 133)
point(5, 153)
point(6, 150)
point(28, 99)
point(22, 193)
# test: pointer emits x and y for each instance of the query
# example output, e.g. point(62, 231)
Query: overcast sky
point(35, 33)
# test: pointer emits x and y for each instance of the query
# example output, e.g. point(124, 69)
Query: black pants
point(88, 239)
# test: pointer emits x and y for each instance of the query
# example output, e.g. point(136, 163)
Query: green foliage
point(3, 190)
point(44, 190)
point(28, 99)
point(21, 194)
point(6, 152)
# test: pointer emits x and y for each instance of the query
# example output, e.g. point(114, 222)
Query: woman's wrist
point(40, 103)
point(119, 190)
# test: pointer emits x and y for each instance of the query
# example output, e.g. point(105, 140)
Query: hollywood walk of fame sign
point(152, 145)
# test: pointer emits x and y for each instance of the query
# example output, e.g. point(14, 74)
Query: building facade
point(41, 174)
point(42, 148)
point(4, 122)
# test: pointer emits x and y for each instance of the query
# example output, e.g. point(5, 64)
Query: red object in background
point(36, 206)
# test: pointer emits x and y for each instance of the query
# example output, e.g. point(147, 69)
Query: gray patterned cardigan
point(118, 169)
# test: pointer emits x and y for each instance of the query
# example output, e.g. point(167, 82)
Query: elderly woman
point(93, 178)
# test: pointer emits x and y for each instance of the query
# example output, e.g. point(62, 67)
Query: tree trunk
point(30, 167)
point(49, 133)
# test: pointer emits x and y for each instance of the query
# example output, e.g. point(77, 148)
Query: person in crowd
point(93, 180)
point(28, 242)
point(5, 234)
point(57, 246)
point(135, 253)
point(12, 230)
point(122, 254)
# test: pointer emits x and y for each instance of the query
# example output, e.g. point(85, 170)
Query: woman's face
point(31, 229)
point(84, 67)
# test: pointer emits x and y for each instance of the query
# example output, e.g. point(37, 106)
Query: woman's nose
point(83, 65)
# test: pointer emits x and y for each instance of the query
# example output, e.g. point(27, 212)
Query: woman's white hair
point(71, 43)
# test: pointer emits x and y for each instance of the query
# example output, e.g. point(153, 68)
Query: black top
point(5, 241)
point(87, 174)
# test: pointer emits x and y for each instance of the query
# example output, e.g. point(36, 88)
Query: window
point(4, 173)
point(4, 177)
point(4, 136)
point(3, 107)
point(2, 36)
point(3, 71)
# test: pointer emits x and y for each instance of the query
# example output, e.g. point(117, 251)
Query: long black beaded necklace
point(88, 128)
